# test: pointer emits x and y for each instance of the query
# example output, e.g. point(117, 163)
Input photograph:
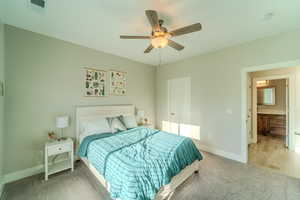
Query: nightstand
point(57, 148)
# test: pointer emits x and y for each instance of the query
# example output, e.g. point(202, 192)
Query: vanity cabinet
point(270, 124)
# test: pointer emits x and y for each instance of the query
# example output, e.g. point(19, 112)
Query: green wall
point(45, 78)
point(1, 102)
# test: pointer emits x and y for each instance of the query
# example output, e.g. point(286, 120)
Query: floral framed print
point(118, 83)
point(95, 83)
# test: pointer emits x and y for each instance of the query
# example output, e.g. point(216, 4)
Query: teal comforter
point(139, 161)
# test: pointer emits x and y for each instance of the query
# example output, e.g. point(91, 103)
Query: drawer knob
point(59, 148)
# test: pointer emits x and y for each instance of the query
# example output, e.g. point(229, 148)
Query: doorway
point(270, 133)
point(271, 107)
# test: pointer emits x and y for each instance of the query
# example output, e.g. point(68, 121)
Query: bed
point(140, 163)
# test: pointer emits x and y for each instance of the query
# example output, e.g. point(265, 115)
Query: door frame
point(291, 85)
point(244, 85)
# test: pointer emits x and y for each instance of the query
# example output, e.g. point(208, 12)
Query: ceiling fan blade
point(134, 37)
point(149, 48)
point(175, 45)
point(153, 19)
point(186, 29)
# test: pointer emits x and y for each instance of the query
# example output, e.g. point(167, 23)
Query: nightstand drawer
point(60, 148)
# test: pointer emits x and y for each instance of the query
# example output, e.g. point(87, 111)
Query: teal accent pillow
point(115, 124)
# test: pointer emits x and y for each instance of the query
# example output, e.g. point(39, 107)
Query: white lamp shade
point(62, 121)
point(141, 113)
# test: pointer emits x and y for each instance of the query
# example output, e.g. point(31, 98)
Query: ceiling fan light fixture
point(160, 36)
point(160, 41)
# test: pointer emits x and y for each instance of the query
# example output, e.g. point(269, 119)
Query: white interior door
point(254, 111)
point(179, 102)
point(287, 112)
point(249, 110)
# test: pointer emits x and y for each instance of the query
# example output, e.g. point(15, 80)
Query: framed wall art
point(95, 83)
point(117, 82)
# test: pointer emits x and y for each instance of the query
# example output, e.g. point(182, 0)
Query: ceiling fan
point(160, 36)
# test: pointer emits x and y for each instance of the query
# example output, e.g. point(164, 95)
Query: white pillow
point(94, 125)
point(129, 121)
point(115, 124)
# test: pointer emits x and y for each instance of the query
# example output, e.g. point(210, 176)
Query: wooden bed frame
point(87, 112)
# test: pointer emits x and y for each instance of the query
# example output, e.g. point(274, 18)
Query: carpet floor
point(218, 179)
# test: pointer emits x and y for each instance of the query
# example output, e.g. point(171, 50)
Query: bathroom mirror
point(266, 96)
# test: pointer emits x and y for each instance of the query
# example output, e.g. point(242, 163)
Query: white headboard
point(84, 112)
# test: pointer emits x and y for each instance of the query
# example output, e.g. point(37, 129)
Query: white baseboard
point(229, 155)
point(11, 177)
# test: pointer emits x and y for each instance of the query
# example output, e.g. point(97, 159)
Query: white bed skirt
point(166, 191)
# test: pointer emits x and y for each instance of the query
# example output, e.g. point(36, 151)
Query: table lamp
point(62, 122)
point(141, 115)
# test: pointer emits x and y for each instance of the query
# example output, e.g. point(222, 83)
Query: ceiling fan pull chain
point(159, 54)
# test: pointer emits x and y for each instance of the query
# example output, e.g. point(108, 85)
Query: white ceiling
point(98, 23)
